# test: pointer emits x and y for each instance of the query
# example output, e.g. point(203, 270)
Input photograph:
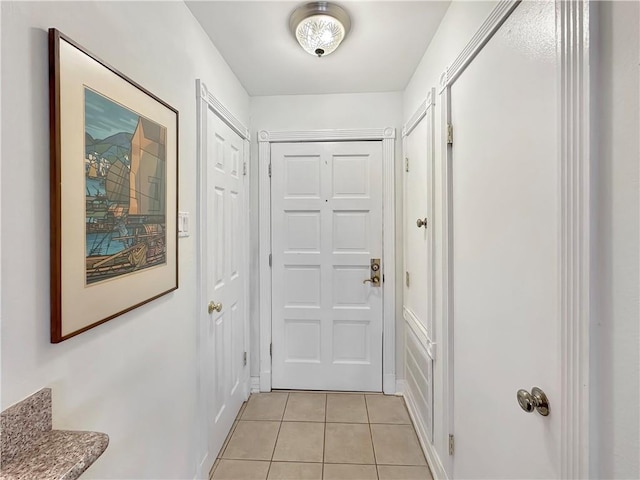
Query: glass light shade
point(320, 34)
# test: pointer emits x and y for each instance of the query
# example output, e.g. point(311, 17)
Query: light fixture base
point(314, 26)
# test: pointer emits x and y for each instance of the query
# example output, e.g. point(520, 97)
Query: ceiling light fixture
point(319, 27)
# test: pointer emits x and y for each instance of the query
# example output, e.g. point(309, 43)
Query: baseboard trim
point(265, 381)
point(204, 468)
point(435, 465)
point(254, 385)
point(389, 383)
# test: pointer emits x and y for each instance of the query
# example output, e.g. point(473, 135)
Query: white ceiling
point(385, 45)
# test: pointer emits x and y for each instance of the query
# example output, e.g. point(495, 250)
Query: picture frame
point(113, 191)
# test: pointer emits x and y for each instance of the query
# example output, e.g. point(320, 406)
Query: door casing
point(388, 137)
point(206, 101)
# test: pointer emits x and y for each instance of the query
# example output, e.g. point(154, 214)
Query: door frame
point(207, 101)
point(572, 28)
point(388, 138)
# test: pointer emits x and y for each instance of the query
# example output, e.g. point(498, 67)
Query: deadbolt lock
point(375, 273)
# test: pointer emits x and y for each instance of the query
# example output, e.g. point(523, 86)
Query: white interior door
point(326, 227)
point(418, 307)
point(225, 262)
point(506, 272)
point(418, 205)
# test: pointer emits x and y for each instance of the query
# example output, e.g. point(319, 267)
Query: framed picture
point(114, 186)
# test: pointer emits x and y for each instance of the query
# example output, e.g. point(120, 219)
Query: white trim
point(351, 135)
point(419, 114)
point(255, 384)
point(204, 468)
point(488, 28)
point(420, 331)
point(389, 384)
point(387, 136)
point(433, 460)
point(221, 111)
point(446, 277)
point(247, 265)
point(264, 224)
point(572, 27)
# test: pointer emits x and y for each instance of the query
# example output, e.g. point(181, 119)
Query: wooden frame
point(120, 251)
point(388, 138)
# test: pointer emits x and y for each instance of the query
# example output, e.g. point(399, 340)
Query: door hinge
point(406, 164)
point(269, 169)
point(271, 349)
point(244, 168)
point(244, 359)
point(451, 444)
point(270, 259)
point(449, 134)
point(406, 278)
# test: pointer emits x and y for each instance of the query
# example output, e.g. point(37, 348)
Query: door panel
point(326, 227)
point(418, 306)
point(505, 251)
point(418, 240)
point(225, 280)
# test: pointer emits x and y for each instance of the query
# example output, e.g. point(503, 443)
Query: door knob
point(214, 307)
point(536, 400)
point(422, 223)
point(375, 273)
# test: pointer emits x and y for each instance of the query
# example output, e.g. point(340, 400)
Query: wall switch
point(183, 224)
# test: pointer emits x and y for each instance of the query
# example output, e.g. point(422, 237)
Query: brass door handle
point(374, 280)
point(422, 223)
point(215, 307)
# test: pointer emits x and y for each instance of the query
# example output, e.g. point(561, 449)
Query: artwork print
point(113, 188)
point(125, 186)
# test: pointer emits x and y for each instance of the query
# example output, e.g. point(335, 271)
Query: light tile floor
point(316, 436)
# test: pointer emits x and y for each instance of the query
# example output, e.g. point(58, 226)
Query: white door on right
point(506, 272)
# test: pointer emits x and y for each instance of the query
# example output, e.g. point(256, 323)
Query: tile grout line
point(278, 435)
point(373, 448)
point(324, 438)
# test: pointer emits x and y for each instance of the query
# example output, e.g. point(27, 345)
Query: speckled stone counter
point(30, 449)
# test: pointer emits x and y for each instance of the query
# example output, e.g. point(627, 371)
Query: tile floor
point(316, 436)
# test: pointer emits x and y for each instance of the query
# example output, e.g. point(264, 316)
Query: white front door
point(506, 273)
point(225, 325)
point(326, 228)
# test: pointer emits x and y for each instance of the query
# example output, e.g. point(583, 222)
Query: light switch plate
point(183, 224)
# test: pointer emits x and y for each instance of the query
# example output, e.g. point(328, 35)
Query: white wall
point(458, 26)
point(134, 377)
point(615, 333)
point(313, 112)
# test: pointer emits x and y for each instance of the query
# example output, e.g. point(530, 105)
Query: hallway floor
point(315, 436)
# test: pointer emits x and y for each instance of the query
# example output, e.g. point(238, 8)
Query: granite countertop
point(59, 454)
point(32, 450)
